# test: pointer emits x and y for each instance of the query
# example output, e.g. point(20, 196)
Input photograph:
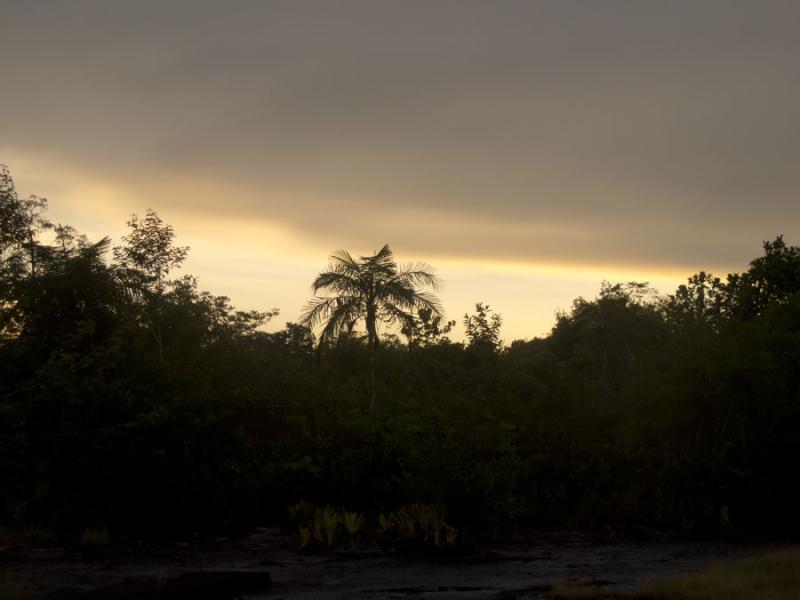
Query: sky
point(527, 149)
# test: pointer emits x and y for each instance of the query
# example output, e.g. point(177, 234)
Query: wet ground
point(515, 569)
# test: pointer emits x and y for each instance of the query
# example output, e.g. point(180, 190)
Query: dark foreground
point(519, 568)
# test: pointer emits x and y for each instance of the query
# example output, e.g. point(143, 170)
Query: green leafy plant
point(418, 525)
point(327, 526)
point(301, 513)
point(352, 523)
point(29, 536)
point(330, 521)
point(385, 522)
point(306, 537)
point(95, 536)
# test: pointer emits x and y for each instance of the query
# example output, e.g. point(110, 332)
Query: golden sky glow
point(264, 265)
point(527, 150)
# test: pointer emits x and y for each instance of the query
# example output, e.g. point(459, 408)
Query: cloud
point(661, 134)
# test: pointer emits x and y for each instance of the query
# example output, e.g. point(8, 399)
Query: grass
point(36, 537)
point(13, 590)
point(775, 576)
point(415, 525)
point(93, 536)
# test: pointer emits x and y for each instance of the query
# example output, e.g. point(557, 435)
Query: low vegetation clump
point(413, 527)
point(95, 536)
point(28, 537)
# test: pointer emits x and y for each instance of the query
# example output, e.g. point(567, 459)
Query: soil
point(516, 568)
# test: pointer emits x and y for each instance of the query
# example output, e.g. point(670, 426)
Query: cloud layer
point(650, 134)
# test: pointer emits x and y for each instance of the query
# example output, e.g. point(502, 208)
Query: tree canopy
point(372, 289)
point(134, 400)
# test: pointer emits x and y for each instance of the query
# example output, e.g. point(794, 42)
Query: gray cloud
point(649, 132)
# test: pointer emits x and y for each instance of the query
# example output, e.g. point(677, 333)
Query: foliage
point(427, 329)
point(483, 330)
point(352, 523)
point(324, 526)
point(95, 536)
point(411, 527)
point(137, 400)
point(35, 537)
point(373, 289)
point(149, 254)
point(417, 526)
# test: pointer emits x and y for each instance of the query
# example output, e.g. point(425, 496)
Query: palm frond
point(381, 264)
point(343, 258)
point(371, 283)
point(98, 248)
point(429, 301)
point(393, 314)
point(382, 256)
point(317, 310)
point(419, 274)
point(337, 280)
point(409, 297)
point(342, 318)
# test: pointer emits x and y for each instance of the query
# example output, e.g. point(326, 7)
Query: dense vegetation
point(132, 400)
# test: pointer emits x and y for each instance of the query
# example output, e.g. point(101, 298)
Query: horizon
point(501, 285)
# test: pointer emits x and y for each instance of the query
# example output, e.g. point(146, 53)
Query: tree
point(149, 254)
point(483, 331)
point(22, 220)
point(74, 301)
point(11, 240)
point(11, 225)
point(613, 335)
point(771, 279)
point(145, 262)
point(427, 329)
point(373, 289)
point(699, 303)
point(67, 240)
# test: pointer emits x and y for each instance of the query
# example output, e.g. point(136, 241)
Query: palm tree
point(373, 289)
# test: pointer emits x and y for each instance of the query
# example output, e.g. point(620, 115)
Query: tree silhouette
point(483, 330)
point(427, 329)
point(21, 223)
point(373, 289)
point(149, 253)
point(144, 263)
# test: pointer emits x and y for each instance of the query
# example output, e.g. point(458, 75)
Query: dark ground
point(522, 567)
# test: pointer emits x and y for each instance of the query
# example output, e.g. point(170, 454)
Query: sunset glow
point(526, 169)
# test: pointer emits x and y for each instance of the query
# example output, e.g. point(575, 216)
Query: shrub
point(93, 536)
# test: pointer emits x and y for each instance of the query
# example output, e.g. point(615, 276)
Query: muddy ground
point(517, 568)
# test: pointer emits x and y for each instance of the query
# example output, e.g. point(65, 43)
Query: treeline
point(132, 400)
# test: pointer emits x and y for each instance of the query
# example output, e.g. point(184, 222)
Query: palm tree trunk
point(374, 400)
point(160, 341)
point(32, 250)
point(372, 340)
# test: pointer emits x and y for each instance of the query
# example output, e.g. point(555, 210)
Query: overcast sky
point(527, 149)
